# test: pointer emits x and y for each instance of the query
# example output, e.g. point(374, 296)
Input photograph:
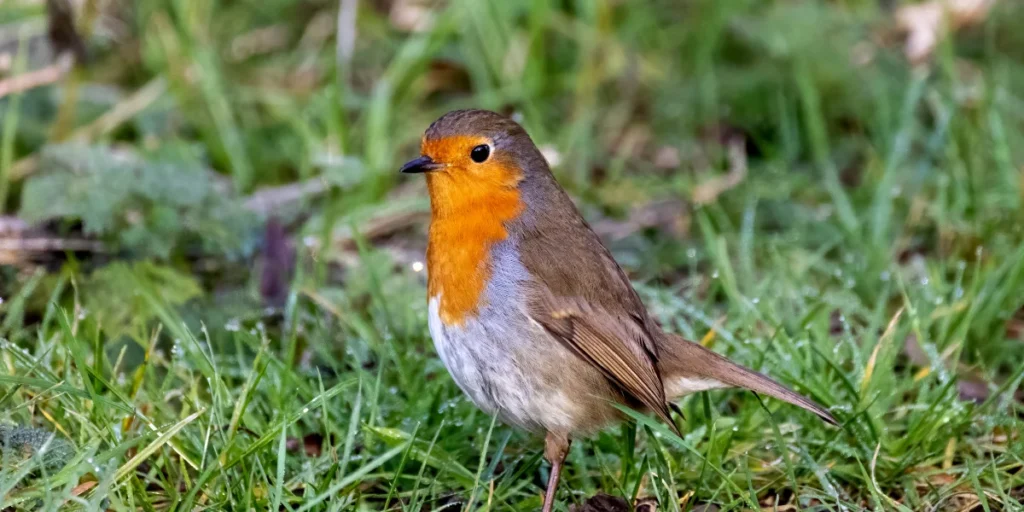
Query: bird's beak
point(418, 165)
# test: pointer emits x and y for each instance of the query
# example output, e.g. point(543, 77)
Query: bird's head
point(472, 157)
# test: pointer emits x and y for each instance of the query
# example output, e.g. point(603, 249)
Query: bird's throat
point(466, 223)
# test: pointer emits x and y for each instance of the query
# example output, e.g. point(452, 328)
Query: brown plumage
point(529, 312)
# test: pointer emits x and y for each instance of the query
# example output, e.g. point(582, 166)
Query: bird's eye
point(480, 153)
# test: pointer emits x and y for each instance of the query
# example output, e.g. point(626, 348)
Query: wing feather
point(614, 344)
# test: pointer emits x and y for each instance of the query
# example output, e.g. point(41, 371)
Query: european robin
point(531, 315)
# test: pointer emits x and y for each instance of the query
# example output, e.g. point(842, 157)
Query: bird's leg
point(556, 447)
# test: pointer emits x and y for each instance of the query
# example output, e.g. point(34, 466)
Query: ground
point(212, 284)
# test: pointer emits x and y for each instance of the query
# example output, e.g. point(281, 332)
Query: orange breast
point(468, 218)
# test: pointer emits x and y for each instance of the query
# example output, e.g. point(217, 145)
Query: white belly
point(486, 360)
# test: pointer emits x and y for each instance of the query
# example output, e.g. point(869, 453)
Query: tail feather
point(698, 368)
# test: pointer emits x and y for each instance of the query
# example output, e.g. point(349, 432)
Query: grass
point(871, 256)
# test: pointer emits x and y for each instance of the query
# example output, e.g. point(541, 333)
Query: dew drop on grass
point(924, 281)
point(447, 404)
point(233, 325)
point(756, 300)
point(83, 313)
point(714, 275)
point(690, 253)
point(305, 410)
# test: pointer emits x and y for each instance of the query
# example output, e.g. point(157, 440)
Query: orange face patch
point(470, 203)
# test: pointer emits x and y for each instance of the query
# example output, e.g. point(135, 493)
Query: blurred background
point(212, 279)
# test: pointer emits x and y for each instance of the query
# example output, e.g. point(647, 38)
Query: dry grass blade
point(869, 368)
point(122, 472)
point(709, 191)
point(37, 78)
point(106, 123)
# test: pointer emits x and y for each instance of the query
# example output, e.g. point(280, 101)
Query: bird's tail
point(687, 367)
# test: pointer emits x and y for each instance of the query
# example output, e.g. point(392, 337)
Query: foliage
point(19, 445)
point(148, 206)
point(117, 296)
point(871, 254)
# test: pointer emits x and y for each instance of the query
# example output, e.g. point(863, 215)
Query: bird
point(529, 312)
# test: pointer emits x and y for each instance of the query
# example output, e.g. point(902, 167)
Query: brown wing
point(559, 249)
point(580, 294)
point(614, 344)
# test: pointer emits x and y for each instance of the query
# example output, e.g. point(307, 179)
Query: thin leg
point(556, 447)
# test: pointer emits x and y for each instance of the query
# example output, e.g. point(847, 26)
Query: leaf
point(152, 206)
point(19, 444)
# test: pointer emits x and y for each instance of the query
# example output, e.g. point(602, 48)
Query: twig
point(265, 201)
point(51, 245)
point(37, 78)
